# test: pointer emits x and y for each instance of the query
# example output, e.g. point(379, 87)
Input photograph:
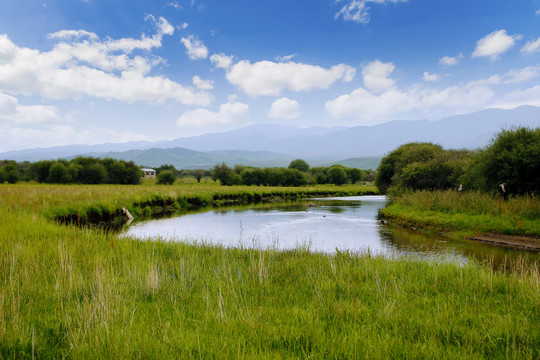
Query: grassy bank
point(75, 292)
point(466, 213)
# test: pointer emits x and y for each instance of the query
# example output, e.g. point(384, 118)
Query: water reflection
point(322, 225)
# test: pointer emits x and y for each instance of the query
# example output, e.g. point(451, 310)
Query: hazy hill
point(183, 158)
point(276, 145)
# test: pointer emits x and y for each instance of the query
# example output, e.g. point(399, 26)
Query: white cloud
point(370, 107)
point(537, 12)
point(270, 78)
point(530, 96)
point(221, 61)
point(531, 47)
point(376, 76)
point(430, 77)
point(285, 58)
point(16, 137)
point(72, 34)
point(494, 44)
point(174, 4)
point(450, 61)
point(203, 84)
point(358, 11)
point(81, 65)
point(284, 108)
point(195, 48)
point(229, 113)
point(11, 110)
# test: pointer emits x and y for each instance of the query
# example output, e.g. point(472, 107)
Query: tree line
point(298, 173)
point(89, 170)
point(511, 158)
point(80, 170)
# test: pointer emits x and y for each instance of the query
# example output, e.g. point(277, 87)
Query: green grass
point(466, 213)
point(71, 292)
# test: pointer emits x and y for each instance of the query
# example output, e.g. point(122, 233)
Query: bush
point(166, 178)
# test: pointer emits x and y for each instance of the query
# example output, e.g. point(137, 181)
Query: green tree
point(319, 175)
point(223, 173)
point(429, 175)
point(11, 172)
point(299, 164)
point(391, 167)
point(93, 173)
point(355, 175)
point(512, 157)
point(39, 171)
point(294, 177)
point(252, 176)
point(198, 174)
point(337, 175)
point(59, 174)
point(166, 177)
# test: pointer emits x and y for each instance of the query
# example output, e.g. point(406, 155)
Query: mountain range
point(277, 145)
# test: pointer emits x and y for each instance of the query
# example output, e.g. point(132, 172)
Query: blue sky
point(89, 71)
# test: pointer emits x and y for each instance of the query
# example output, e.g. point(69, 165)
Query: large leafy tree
point(299, 164)
point(391, 168)
point(512, 157)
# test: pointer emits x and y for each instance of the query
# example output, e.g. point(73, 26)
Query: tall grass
point(467, 211)
point(72, 292)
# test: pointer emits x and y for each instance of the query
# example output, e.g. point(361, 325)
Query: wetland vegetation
point(79, 292)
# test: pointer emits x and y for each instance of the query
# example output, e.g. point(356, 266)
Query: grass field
point(76, 292)
point(466, 213)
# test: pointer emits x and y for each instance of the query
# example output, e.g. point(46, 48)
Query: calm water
point(322, 225)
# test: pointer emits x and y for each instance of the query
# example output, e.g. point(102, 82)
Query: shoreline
point(523, 242)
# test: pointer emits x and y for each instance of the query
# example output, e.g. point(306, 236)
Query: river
point(320, 225)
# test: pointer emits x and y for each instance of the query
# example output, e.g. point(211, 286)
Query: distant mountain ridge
point(275, 145)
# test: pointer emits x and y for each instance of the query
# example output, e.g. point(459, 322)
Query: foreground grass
point(70, 292)
point(466, 213)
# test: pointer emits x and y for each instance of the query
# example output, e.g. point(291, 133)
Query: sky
point(96, 71)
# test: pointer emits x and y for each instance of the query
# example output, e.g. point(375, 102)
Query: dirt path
point(527, 242)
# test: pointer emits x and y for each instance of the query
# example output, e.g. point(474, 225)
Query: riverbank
point(472, 215)
point(77, 292)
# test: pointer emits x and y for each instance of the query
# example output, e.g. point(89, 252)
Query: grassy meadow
point(466, 213)
point(78, 292)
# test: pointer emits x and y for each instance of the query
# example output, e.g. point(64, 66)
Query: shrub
point(166, 178)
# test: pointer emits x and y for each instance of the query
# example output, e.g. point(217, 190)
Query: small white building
point(149, 173)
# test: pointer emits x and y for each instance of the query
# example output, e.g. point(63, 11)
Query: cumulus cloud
point(376, 76)
point(221, 61)
point(82, 65)
point(203, 84)
point(430, 77)
point(531, 47)
point(195, 48)
point(284, 108)
point(229, 113)
point(450, 60)
point(494, 44)
point(11, 110)
point(271, 78)
point(358, 10)
point(370, 106)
